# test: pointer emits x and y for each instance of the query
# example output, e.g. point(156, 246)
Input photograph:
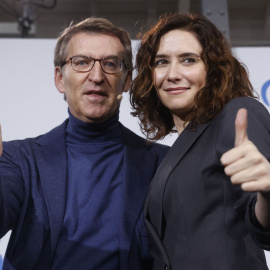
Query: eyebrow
point(107, 56)
point(181, 54)
point(120, 56)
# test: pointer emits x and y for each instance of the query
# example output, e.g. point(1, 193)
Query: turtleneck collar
point(81, 132)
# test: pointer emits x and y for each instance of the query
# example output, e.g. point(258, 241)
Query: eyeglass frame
point(95, 60)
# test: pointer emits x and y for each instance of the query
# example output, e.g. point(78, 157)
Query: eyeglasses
point(86, 63)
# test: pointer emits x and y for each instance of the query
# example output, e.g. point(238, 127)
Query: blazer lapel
point(51, 160)
point(155, 198)
point(135, 188)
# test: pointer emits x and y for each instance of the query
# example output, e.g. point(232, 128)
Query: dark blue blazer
point(33, 183)
point(197, 219)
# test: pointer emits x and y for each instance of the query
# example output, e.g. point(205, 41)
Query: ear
point(128, 81)
point(58, 79)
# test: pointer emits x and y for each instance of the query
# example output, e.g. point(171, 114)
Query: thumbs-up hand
point(245, 165)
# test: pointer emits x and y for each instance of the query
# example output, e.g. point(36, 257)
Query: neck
point(179, 124)
point(109, 130)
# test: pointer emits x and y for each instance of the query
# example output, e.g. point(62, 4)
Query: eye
point(79, 61)
point(110, 63)
point(189, 60)
point(161, 62)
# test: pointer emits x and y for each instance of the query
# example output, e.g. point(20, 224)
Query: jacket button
point(166, 267)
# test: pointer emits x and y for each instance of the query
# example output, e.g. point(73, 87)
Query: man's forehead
point(99, 43)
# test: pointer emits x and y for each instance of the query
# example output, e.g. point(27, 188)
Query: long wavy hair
point(226, 77)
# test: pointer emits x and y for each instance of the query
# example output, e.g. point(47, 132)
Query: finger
point(253, 173)
point(241, 127)
point(255, 186)
point(1, 144)
point(245, 149)
point(243, 157)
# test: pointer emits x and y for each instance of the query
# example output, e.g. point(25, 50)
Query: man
point(73, 197)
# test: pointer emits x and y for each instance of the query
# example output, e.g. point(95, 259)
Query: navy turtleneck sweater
point(89, 237)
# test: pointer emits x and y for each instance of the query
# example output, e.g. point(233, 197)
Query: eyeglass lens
point(108, 65)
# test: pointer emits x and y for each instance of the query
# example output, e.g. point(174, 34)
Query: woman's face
point(179, 71)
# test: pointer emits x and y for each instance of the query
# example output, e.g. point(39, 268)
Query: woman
point(197, 217)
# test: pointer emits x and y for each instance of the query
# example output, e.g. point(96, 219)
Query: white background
point(30, 104)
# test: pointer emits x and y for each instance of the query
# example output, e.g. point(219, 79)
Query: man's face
point(92, 96)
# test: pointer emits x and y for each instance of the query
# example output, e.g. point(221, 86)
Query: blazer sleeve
point(259, 133)
point(11, 187)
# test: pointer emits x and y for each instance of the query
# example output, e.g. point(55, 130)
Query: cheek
point(203, 75)
point(203, 79)
point(158, 78)
point(121, 85)
point(116, 84)
point(198, 78)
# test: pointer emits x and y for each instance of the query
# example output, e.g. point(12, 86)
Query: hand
point(1, 144)
point(244, 164)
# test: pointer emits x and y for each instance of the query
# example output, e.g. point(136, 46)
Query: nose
point(96, 74)
point(174, 72)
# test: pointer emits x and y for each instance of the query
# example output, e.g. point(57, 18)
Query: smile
point(177, 90)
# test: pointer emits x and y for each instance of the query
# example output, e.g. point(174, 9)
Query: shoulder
point(58, 131)
point(257, 112)
point(251, 104)
point(158, 148)
point(18, 151)
point(258, 128)
point(134, 140)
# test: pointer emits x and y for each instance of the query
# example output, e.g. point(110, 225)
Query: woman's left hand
point(244, 164)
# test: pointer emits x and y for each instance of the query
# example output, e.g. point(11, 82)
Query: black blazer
point(198, 220)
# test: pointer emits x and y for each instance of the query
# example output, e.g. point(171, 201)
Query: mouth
point(177, 90)
point(95, 93)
